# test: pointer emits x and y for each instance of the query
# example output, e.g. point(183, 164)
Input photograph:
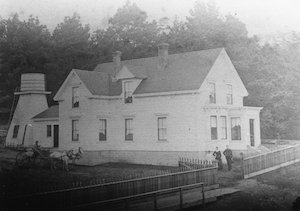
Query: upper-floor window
point(235, 128)
point(213, 128)
point(162, 128)
point(223, 127)
point(49, 132)
point(212, 93)
point(128, 92)
point(102, 130)
point(15, 131)
point(75, 97)
point(128, 129)
point(229, 94)
point(75, 130)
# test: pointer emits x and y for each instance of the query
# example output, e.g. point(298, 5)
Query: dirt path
point(272, 191)
point(267, 194)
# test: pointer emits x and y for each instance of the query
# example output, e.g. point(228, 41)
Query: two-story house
point(153, 110)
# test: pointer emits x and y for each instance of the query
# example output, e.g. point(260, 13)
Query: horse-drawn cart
point(37, 156)
point(33, 156)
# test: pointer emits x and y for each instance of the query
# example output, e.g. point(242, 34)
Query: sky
point(262, 17)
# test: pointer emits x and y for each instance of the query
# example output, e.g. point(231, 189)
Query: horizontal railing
point(265, 162)
point(153, 194)
point(113, 190)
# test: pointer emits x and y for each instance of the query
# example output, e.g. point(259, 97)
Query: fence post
point(126, 205)
point(4, 198)
point(242, 165)
point(203, 197)
point(181, 201)
point(285, 160)
point(155, 201)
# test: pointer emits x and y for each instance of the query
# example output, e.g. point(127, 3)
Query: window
point(229, 94)
point(49, 131)
point(102, 130)
point(75, 131)
point(223, 127)
point(16, 130)
point(128, 129)
point(162, 128)
point(128, 92)
point(212, 93)
point(75, 97)
point(213, 127)
point(235, 128)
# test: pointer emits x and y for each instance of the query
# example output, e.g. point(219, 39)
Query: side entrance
point(55, 136)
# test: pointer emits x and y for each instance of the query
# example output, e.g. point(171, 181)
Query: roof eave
point(45, 119)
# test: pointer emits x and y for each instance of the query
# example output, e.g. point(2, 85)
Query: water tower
point(32, 101)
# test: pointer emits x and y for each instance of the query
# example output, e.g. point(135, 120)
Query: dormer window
point(212, 93)
point(229, 94)
point(128, 92)
point(75, 97)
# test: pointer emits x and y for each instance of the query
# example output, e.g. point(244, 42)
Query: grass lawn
point(276, 190)
point(40, 178)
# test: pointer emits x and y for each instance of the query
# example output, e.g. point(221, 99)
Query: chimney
point(163, 55)
point(117, 61)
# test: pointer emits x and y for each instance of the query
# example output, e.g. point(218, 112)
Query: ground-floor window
point(235, 128)
point(75, 130)
point(102, 130)
point(213, 128)
point(128, 129)
point(223, 127)
point(162, 128)
point(49, 132)
point(15, 131)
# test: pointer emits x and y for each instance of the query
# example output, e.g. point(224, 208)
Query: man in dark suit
point(228, 155)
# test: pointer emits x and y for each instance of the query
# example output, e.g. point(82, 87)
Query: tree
point(71, 50)
point(24, 47)
point(129, 32)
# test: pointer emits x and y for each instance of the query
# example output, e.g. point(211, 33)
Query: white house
point(151, 110)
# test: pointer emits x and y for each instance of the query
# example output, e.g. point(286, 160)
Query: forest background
point(270, 71)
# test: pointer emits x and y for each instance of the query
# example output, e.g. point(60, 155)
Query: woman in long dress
point(218, 156)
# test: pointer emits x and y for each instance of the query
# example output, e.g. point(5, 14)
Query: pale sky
point(261, 17)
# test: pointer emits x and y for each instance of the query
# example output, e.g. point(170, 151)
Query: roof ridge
point(185, 71)
point(87, 71)
point(152, 57)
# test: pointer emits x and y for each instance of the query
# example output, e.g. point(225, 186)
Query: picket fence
point(262, 163)
point(84, 194)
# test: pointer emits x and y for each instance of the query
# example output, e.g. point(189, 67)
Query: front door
point(251, 122)
point(55, 136)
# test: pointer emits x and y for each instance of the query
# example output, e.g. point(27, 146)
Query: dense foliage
point(271, 73)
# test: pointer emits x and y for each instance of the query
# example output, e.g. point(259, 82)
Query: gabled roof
point(185, 71)
point(51, 112)
point(99, 83)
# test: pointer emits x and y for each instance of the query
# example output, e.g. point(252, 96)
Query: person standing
point(218, 157)
point(228, 155)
